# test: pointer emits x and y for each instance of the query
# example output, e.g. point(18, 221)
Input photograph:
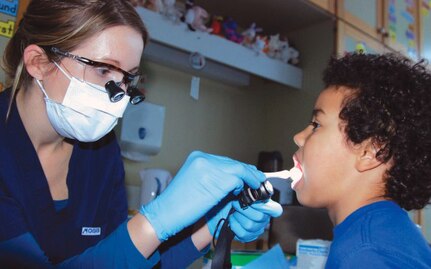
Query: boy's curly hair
point(391, 105)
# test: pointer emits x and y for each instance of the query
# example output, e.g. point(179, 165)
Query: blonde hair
point(64, 24)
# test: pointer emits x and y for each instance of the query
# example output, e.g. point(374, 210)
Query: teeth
point(295, 175)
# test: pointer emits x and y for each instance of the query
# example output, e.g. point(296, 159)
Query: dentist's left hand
point(201, 183)
point(246, 223)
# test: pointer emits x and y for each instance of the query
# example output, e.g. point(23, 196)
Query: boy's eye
point(315, 125)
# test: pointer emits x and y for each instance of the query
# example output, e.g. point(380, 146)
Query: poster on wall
point(8, 15)
point(7, 25)
point(9, 7)
point(6, 28)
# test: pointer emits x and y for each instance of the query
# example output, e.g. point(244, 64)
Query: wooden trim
point(419, 26)
point(328, 5)
point(339, 48)
point(23, 4)
point(420, 219)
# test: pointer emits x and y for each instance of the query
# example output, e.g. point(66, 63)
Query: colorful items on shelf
point(230, 29)
point(171, 11)
point(273, 45)
point(259, 44)
point(250, 35)
point(198, 19)
point(216, 25)
point(195, 17)
point(278, 48)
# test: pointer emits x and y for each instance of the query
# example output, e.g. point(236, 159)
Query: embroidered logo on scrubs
point(91, 231)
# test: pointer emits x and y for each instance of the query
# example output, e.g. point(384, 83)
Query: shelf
point(217, 49)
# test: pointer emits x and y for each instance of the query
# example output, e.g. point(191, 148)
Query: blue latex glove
point(201, 183)
point(249, 223)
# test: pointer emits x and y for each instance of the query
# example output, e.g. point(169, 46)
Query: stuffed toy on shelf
point(259, 44)
point(282, 52)
point(195, 17)
point(170, 11)
point(273, 45)
point(293, 56)
point(250, 35)
point(216, 25)
point(230, 30)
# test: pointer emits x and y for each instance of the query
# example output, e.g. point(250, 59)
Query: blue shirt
point(96, 207)
point(95, 181)
point(379, 235)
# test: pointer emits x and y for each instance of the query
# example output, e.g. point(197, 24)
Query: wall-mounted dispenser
point(153, 182)
point(142, 131)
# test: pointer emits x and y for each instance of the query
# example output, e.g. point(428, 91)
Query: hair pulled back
point(64, 24)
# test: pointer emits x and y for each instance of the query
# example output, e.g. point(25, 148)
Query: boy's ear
point(36, 61)
point(367, 156)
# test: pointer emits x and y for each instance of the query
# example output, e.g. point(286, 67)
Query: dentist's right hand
point(201, 183)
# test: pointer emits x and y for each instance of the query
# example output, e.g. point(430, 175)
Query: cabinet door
point(425, 26)
point(328, 5)
point(425, 222)
point(422, 218)
point(365, 15)
point(401, 23)
point(350, 39)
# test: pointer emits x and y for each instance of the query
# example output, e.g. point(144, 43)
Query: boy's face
point(324, 155)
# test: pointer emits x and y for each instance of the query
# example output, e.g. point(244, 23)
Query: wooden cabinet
point(350, 39)
point(23, 4)
point(365, 15)
point(328, 5)
point(425, 29)
point(425, 222)
point(402, 25)
point(394, 23)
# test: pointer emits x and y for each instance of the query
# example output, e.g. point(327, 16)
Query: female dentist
point(73, 65)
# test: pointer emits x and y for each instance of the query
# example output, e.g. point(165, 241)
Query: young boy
point(366, 156)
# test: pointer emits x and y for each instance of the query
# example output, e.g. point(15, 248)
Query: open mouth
point(297, 173)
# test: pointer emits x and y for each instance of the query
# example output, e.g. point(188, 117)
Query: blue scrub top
point(97, 202)
point(69, 234)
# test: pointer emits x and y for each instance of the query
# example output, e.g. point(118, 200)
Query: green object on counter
point(238, 258)
point(243, 258)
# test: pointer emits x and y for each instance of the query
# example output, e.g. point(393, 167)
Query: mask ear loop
point(42, 88)
point(62, 71)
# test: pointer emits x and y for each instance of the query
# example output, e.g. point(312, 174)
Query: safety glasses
point(109, 76)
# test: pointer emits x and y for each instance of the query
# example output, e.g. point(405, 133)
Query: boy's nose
point(299, 138)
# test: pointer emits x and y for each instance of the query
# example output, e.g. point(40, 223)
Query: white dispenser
point(142, 131)
point(153, 182)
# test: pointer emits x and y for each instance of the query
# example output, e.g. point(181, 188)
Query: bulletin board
point(425, 26)
point(402, 26)
point(11, 12)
